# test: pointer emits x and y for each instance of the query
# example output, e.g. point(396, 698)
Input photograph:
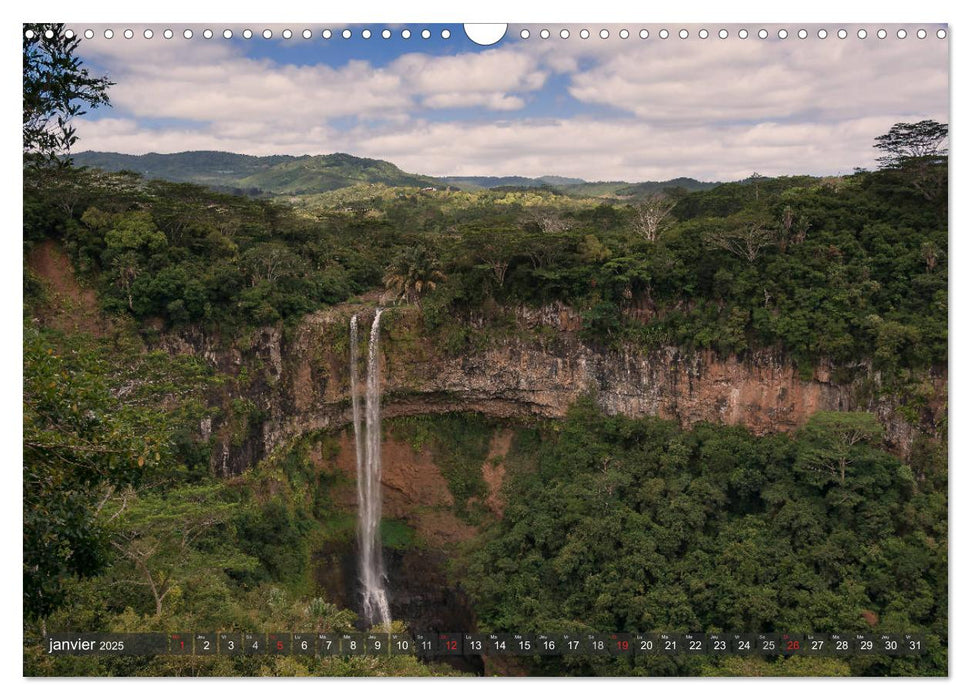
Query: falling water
point(368, 451)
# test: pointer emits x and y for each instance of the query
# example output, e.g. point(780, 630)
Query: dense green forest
point(627, 525)
point(609, 523)
point(843, 270)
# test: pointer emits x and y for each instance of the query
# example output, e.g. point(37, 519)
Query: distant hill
point(488, 182)
point(685, 183)
point(203, 167)
point(576, 186)
point(269, 174)
point(293, 175)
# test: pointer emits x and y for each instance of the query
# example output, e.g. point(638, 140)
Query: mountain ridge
point(313, 174)
point(277, 174)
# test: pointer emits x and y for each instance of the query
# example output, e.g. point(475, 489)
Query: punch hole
point(664, 33)
point(446, 34)
point(486, 34)
point(783, 34)
point(346, 34)
point(763, 34)
point(544, 34)
point(306, 34)
point(624, 33)
point(109, 34)
point(584, 34)
point(366, 33)
point(683, 34)
point(901, 33)
point(88, 34)
point(228, 34)
point(267, 34)
point(722, 33)
point(69, 33)
point(29, 34)
point(842, 34)
point(564, 33)
point(207, 34)
point(287, 34)
point(703, 34)
point(941, 34)
point(921, 34)
point(49, 34)
point(802, 34)
point(861, 33)
point(604, 34)
point(881, 34)
point(187, 34)
point(425, 34)
point(643, 34)
point(247, 34)
point(743, 33)
point(822, 34)
point(129, 34)
point(148, 33)
point(326, 34)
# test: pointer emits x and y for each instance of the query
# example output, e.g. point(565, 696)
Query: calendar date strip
point(438, 644)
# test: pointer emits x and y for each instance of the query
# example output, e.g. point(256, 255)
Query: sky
point(595, 108)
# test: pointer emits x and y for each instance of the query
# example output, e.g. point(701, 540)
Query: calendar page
point(450, 350)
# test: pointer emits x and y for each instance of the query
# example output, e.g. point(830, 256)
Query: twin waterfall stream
point(368, 452)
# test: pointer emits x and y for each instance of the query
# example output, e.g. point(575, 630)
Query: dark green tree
point(57, 88)
point(80, 443)
point(159, 537)
point(919, 152)
point(924, 139)
point(413, 272)
point(831, 441)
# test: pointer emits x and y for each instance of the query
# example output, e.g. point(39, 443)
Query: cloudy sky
point(596, 108)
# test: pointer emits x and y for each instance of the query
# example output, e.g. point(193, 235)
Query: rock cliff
point(299, 381)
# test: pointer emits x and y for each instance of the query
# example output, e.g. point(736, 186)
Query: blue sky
point(597, 108)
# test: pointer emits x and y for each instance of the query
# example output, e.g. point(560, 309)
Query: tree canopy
point(615, 524)
point(57, 88)
point(924, 139)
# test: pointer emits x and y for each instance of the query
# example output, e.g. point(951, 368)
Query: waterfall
point(367, 445)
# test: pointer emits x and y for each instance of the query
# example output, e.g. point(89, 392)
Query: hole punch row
point(487, 39)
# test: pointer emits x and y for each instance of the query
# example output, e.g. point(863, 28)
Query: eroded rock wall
point(300, 382)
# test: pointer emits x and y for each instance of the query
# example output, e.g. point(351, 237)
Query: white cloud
point(489, 79)
point(712, 110)
point(128, 136)
point(446, 100)
point(629, 149)
point(212, 82)
point(755, 80)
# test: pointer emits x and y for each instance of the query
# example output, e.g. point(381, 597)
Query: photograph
point(517, 350)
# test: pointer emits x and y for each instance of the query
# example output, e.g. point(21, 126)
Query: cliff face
point(538, 369)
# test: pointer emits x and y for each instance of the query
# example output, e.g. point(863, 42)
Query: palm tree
point(412, 273)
